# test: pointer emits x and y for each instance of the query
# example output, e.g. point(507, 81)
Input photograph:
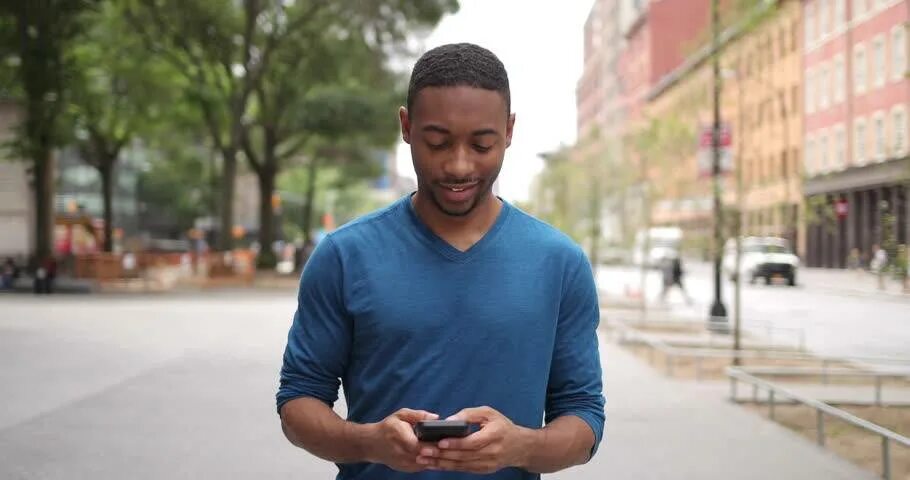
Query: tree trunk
point(106, 169)
point(43, 163)
point(226, 224)
point(266, 258)
point(310, 195)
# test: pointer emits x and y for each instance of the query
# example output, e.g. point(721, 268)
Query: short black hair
point(457, 65)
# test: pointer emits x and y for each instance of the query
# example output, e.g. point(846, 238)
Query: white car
point(762, 257)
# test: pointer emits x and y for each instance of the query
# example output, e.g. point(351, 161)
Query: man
point(449, 303)
point(879, 264)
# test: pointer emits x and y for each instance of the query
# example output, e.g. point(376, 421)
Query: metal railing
point(821, 409)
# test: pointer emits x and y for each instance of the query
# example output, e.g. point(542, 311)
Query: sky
point(540, 43)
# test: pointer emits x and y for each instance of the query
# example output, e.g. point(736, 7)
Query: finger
point(406, 439)
point(457, 466)
point(475, 415)
point(414, 416)
point(475, 441)
point(454, 455)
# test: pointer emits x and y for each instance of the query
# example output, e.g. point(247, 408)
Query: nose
point(459, 165)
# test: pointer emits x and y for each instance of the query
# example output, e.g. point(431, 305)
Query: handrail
point(888, 436)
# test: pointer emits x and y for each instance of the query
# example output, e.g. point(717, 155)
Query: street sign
point(841, 208)
point(706, 155)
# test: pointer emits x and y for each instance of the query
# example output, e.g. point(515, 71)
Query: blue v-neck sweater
point(404, 320)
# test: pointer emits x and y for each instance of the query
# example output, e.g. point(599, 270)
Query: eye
point(438, 146)
point(481, 148)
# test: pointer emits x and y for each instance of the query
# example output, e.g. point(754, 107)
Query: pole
point(740, 162)
point(718, 319)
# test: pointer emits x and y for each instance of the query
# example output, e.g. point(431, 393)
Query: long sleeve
point(319, 340)
point(575, 384)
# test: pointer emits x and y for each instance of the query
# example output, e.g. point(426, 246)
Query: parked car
point(767, 258)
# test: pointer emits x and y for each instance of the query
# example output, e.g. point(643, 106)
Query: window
point(824, 86)
point(782, 42)
point(878, 60)
point(898, 52)
point(794, 101)
point(784, 165)
point(859, 68)
point(823, 17)
point(823, 153)
point(839, 81)
point(794, 35)
point(810, 155)
point(859, 141)
point(810, 24)
point(840, 147)
point(809, 94)
point(878, 122)
point(859, 8)
point(899, 131)
point(840, 13)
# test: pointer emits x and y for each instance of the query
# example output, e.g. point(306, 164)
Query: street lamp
point(717, 321)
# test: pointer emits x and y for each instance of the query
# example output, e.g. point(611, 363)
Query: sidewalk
point(850, 283)
point(659, 428)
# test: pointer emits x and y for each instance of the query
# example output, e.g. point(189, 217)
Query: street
point(840, 312)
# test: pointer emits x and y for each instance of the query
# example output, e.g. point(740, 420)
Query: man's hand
point(392, 442)
point(498, 444)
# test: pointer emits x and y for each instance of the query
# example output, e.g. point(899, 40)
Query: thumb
point(475, 415)
point(414, 416)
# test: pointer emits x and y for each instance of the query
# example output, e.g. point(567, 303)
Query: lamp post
point(718, 314)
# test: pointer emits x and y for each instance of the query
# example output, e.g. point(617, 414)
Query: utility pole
point(718, 319)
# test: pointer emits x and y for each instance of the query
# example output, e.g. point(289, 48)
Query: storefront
point(857, 208)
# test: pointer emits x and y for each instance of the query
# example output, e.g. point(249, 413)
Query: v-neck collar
point(446, 249)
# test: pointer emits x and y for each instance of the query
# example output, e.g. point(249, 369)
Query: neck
point(461, 231)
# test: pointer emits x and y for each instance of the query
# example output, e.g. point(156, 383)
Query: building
point(761, 75)
point(856, 127)
point(16, 198)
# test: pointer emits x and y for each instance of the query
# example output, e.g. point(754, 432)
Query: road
point(167, 386)
point(840, 314)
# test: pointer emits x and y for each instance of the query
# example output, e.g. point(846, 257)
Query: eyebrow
point(445, 131)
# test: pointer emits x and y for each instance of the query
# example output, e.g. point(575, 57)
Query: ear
point(405, 120)
point(509, 126)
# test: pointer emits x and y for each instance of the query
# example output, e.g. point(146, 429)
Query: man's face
point(458, 138)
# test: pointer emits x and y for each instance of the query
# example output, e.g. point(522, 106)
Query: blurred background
point(737, 168)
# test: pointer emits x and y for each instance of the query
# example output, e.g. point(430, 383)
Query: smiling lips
point(460, 192)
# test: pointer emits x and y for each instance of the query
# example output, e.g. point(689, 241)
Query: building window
point(840, 13)
point(859, 141)
point(859, 8)
point(839, 81)
point(899, 131)
point(898, 52)
point(794, 36)
point(878, 125)
point(823, 17)
point(794, 100)
point(810, 24)
point(878, 60)
point(840, 147)
point(782, 41)
point(810, 155)
point(824, 86)
point(808, 95)
point(859, 68)
point(823, 152)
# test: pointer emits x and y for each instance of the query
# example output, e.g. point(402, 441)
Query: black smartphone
point(436, 430)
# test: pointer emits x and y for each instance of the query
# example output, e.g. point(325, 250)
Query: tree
point(225, 48)
point(116, 95)
point(35, 37)
point(329, 82)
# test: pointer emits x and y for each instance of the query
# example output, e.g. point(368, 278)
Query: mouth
point(459, 192)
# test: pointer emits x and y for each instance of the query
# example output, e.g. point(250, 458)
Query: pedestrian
point(45, 274)
point(449, 303)
point(7, 274)
point(854, 262)
point(879, 264)
point(673, 276)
